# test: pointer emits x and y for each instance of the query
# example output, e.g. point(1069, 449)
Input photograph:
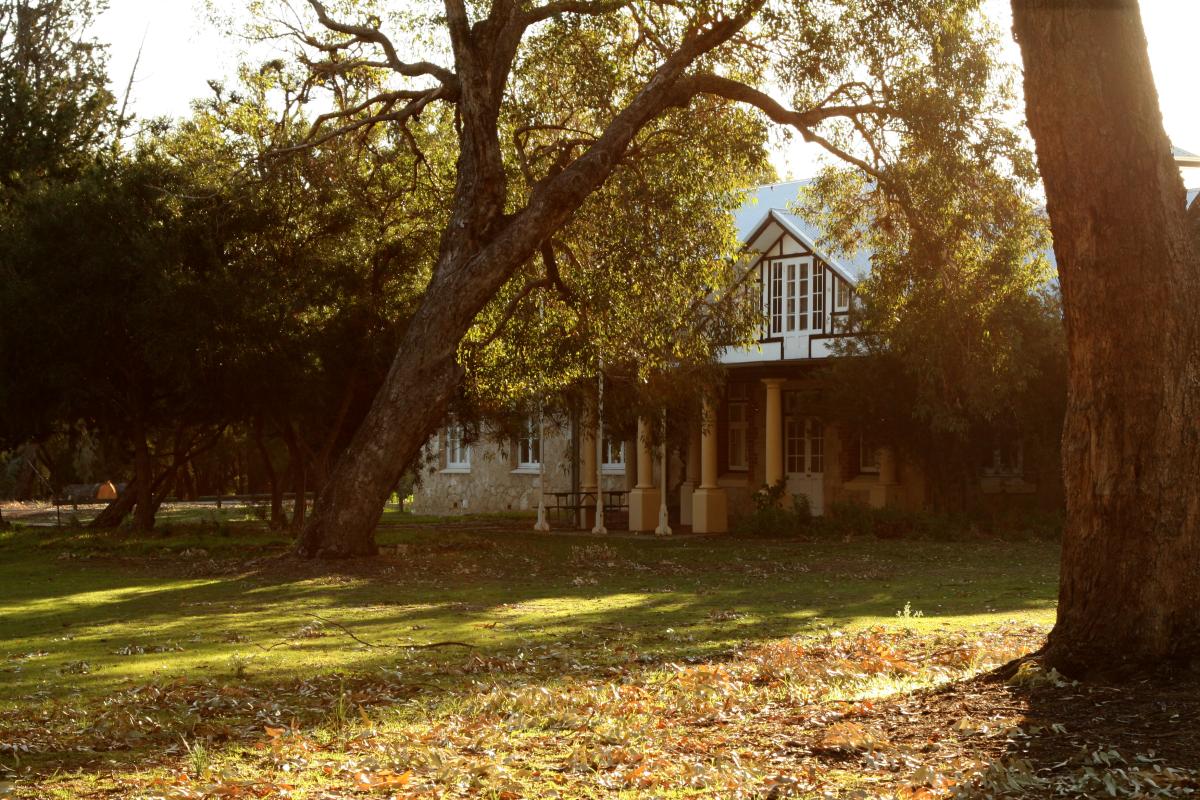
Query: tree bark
point(115, 512)
point(1130, 281)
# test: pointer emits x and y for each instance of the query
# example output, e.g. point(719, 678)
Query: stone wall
point(493, 483)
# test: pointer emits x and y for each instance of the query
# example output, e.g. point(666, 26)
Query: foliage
point(770, 519)
point(55, 106)
point(109, 299)
point(854, 520)
point(961, 341)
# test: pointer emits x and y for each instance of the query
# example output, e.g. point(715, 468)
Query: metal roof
point(1183, 158)
point(773, 202)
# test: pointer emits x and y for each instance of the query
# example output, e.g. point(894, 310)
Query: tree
point(1130, 276)
point(337, 243)
point(110, 316)
point(960, 344)
point(55, 107)
point(877, 65)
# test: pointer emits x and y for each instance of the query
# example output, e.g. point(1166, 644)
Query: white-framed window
point(1008, 460)
point(458, 452)
point(775, 293)
point(817, 322)
point(529, 445)
point(737, 426)
point(841, 294)
point(868, 455)
point(795, 295)
point(612, 457)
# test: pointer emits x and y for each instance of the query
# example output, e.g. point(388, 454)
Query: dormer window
point(795, 295)
point(818, 297)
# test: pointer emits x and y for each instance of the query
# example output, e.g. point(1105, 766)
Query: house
point(765, 428)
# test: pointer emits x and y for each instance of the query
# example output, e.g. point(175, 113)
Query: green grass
point(85, 618)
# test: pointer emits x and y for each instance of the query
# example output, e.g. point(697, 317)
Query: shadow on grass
point(499, 590)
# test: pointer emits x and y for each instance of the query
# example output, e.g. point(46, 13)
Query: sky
point(182, 50)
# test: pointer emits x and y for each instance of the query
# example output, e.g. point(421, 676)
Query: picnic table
point(567, 506)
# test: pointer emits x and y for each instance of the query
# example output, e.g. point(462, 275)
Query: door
point(804, 459)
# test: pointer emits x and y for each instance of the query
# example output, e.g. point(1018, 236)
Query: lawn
point(481, 659)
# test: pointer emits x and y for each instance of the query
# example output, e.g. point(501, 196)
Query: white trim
point(776, 215)
point(531, 435)
point(463, 463)
point(608, 467)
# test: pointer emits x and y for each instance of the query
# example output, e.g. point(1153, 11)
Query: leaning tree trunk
point(115, 512)
point(1130, 281)
point(411, 403)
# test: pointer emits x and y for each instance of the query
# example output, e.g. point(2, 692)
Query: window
point(804, 439)
point(794, 444)
point(795, 295)
point(868, 455)
point(841, 294)
point(458, 452)
point(529, 446)
point(775, 290)
point(1008, 460)
point(816, 445)
point(818, 297)
point(737, 413)
point(790, 293)
point(802, 297)
point(613, 457)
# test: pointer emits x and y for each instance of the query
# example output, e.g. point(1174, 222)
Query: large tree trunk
point(410, 405)
point(1130, 281)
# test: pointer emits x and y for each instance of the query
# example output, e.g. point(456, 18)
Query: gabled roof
point(1183, 158)
point(773, 202)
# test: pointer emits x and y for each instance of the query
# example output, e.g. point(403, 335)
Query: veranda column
point(631, 464)
point(691, 475)
point(709, 504)
point(588, 480)
point(774, 443)
point(644, 499)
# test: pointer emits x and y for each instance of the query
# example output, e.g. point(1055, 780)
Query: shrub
point(770, 519)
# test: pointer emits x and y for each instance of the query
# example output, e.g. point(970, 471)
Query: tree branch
point(408, 111)
point(364, 33)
